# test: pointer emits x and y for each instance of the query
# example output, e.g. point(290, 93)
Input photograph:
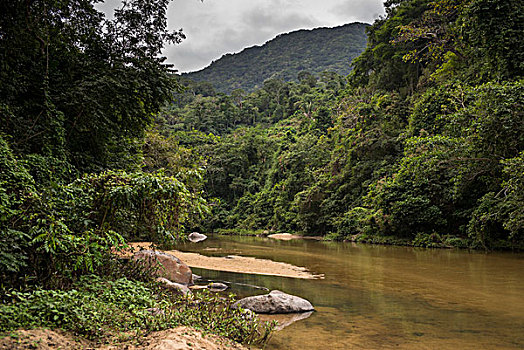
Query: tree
point(381, 66)
point(435, 32)
point(77, 94)
point(79, 87)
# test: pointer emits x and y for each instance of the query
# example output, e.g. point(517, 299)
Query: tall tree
point(79, 87)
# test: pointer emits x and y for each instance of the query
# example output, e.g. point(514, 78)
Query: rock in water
point(276, 302)
point(217, 287)
point(196, 237)
point(165, 265)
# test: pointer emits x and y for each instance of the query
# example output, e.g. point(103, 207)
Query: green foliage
point(500, 216)
point(496, 49)
point(423, 147)
point(357, 221)
point(78, 87)
point(140, 205)
point(283, 58)
point(211, 312)
point(103, 309)
point(277, 100)
point(67, 230)
point(494, 121)
point(382, 65)
point(17, 191)
point(78, 93)
point(430, 110)
point(514, 196)
point(416, 196)
point(75, 226)
point(434, 34)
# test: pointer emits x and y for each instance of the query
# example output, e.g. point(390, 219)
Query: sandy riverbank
point(241, 264)
point(289, 236)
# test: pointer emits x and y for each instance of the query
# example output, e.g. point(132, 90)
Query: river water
point(381, 297)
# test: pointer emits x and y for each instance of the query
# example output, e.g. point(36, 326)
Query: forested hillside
point(423, 145)
point(315, 51)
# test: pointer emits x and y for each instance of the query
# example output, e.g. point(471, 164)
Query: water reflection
point(286, 320)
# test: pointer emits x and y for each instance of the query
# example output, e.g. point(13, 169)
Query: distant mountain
point(315, 51)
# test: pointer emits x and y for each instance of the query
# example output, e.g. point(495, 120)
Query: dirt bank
point(180, 338)
point(242, 264)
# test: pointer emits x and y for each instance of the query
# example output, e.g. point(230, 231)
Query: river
point(382, 297)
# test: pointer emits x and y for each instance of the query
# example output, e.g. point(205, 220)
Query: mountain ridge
point(283, 57)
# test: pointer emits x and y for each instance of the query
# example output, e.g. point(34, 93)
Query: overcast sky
point(216, 27)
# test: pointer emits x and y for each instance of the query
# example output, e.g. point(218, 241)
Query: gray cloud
point(358, 10)
point(259, 19)
point(232, 28)
point(108, 7)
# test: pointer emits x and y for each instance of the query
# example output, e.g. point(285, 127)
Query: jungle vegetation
point(421, 144)
point(100, 143)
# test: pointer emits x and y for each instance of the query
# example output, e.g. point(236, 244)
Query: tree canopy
point(78, 92)
point(80, 88)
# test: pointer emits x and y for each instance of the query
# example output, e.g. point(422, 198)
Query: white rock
point(196, 237)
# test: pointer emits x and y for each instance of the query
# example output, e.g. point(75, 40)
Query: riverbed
point(382, 297)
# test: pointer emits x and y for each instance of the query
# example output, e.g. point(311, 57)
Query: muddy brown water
point(381, 297)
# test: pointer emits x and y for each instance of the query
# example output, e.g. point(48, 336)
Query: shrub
point(499, 216)
point(76, 225)
point(70, 229)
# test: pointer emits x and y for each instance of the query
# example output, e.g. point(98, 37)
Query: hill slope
point(315, 51)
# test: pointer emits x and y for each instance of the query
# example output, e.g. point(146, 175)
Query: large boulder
point(196, 237)
point(165, 265)
point(276, 302)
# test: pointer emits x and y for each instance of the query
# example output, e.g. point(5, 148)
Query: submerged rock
point(196, 237)
point(217, 287)
point(165, 265)
point(276, 302)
